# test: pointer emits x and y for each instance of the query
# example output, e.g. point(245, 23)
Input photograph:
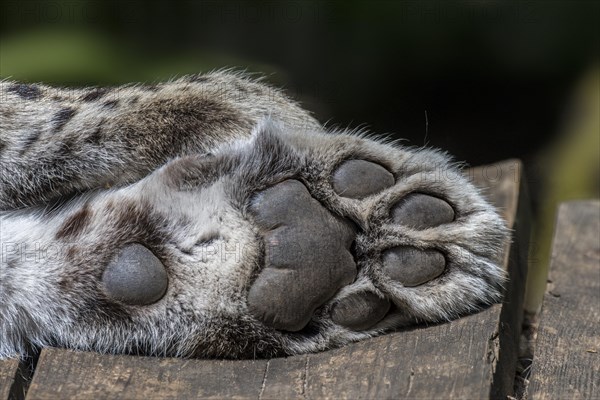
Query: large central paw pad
point(307, 256)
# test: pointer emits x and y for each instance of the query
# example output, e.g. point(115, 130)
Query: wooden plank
point(473, 357)
point(567, 354)
point(505, 183)
point(65, 374)
point(15, 375)
point(8, 372)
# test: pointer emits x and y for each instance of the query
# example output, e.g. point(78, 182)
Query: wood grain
point(567, 358)
point(8, 372)
point(472, 357)
point(15, 376)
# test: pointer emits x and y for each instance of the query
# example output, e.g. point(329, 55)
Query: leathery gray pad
point(408, 265)
point(135, 276)
point(357, 179)
point(308, 252)
point(307, 256)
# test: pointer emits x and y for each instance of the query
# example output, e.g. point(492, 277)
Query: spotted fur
point(173, 167)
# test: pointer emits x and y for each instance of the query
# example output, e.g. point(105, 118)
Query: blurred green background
point(485, 80)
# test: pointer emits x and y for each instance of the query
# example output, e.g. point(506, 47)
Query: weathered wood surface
point(8, 372)
point(567, 357)
point(472, 357)
point(15, 376)
point(505, 186)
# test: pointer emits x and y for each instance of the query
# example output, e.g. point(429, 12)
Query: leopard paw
point(366, 235)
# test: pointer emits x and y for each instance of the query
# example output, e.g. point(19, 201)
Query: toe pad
point(422, 211)
point(411, 266)
point(360, 311)
point(357, 179)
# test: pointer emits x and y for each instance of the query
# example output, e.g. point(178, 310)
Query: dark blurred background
point(485, 80)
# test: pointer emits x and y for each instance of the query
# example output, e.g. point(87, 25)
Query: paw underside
point(310, 253)
point(356, 236)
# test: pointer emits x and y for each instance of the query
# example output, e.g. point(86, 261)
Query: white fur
point(193, 206)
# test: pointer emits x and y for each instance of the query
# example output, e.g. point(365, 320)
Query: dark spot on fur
point(27, 92)
point(71, 254)
point(110, 104)
point(95, 137)
point(152, 88)
point(185, 251)
point(75, 224)
point(63, 149)
point(65, 284)
point(94, 94)
point(136, 222)
point(134, 100)
point(31, 140)
point(169, 121)
point(62, 117)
